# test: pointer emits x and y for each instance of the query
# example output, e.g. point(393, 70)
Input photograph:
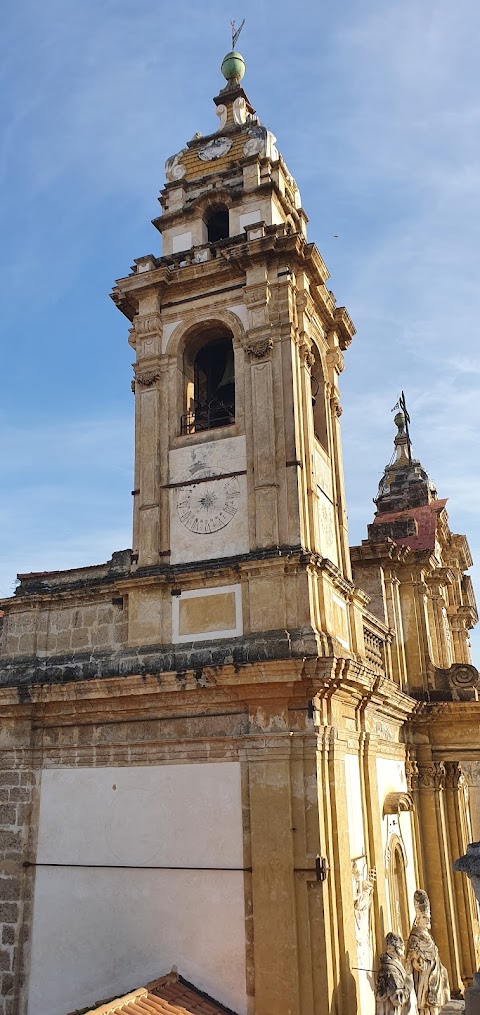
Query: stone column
point(466, 916)
point(471, 771)
point(436, 856)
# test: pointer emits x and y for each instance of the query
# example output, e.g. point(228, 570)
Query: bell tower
point(239, 345)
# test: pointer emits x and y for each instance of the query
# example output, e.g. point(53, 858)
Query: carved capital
point(431, 775)
point(411, 773)
point(454, 777)
point(259, 349)
point(147, 378)
point(147, 324)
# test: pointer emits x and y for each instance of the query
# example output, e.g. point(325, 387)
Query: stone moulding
point(396, 802)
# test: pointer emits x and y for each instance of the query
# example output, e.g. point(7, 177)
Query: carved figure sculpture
point(394, 991)
point(362, 901)
point(430, 978)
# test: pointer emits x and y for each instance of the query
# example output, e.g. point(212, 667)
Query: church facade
point(238, 748)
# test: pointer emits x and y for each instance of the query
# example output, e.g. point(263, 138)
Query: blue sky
point(376, 107)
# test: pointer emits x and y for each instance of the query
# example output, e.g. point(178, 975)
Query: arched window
point(318, 402)
point(397, 881)
point(217, 222)
point(210, 383)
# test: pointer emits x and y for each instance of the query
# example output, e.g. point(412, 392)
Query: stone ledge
point(263, 647)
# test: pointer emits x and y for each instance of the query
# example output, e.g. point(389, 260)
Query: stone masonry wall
point(64, 628)
point(16, 803)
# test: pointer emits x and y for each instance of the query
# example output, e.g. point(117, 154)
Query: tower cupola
point(405, 483)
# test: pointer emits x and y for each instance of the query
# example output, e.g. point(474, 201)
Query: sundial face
point(215, 148)
point(208, 506)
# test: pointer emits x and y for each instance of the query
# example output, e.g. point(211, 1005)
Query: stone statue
point(470, 865)
point(394, 991)
point(362, 901)
point(430, 978)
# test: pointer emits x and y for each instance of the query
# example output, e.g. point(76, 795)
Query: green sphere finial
point(233, 67)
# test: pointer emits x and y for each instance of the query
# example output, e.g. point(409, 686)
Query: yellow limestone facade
point(223, 749)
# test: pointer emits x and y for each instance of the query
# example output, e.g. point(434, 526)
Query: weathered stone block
point(80, 638)
point(63, 642)
point(8, 912)
point(8, 814)
point(7, 984)
point(9, 889)
point(26, 644)
point(9, 778)
point(8, 935)
point(5, 960)
point(10, 840)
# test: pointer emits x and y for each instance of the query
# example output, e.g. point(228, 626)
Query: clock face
point(208, 506)
point(215, 149)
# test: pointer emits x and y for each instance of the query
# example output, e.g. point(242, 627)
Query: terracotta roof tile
point(426, 519)
point(170, 995)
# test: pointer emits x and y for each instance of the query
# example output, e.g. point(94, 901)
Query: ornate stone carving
point(430, 978)
point(215, 149)
point(257, 141)
point(335, 359)
point(454, 777)
point(363, 885)
point(260, 348)
point(335, 404)
point(431, 775)
point(147, 377)
point(174, 169)
point(394, 991)
point(463, 676)
point(307, 356)
point(148, 324)
point(239, 110)
point(470, 865)
point(394, 803)
point(221, 112)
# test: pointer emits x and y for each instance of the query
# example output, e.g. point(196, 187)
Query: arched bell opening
point(218, 223)
point(319, 406)
point(209, 382)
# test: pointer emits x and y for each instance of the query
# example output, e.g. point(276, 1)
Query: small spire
point(404, 483)
point(402, 442)
point(402, 419)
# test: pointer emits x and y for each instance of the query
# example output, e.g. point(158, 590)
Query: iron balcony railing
point(208, 416)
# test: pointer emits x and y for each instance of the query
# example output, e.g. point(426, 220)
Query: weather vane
point(236, 32)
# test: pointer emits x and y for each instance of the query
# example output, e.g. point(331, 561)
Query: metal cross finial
point(236, 32)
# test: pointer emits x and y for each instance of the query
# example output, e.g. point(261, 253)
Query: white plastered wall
point(214, 458)
point(356, 831)
point(107, 917)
